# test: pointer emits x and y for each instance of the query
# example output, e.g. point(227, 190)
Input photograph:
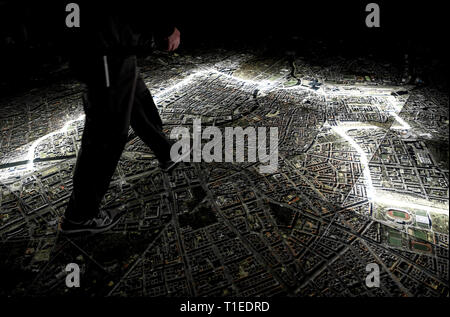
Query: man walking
point(103, 57)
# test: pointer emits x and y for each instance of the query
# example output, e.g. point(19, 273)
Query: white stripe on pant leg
point(105, 64)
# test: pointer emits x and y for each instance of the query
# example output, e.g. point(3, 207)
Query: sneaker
point(104, 221)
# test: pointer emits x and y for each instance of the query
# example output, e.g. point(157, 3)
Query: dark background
point(30, 42)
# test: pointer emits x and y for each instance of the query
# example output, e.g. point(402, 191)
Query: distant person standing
point(103, 56)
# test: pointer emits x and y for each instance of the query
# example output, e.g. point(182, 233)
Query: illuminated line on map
point(265, 84)
point(363, 157)
point(180, 84)
point(30, 155)
point(405, 204)
point(372, 194)
point(64, 129)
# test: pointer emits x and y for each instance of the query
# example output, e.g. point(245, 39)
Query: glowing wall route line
point(403, 123)
point(405, 204)
point(341, 131)
point(64, 129)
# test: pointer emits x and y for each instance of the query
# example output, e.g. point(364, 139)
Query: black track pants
point(109, 113)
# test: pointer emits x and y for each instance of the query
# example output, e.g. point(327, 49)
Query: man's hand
point(173, 41)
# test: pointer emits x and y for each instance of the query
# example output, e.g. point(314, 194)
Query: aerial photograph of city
point(360, 190)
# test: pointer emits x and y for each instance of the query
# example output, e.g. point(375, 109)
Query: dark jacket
point(115, 29)
point(118, 27)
